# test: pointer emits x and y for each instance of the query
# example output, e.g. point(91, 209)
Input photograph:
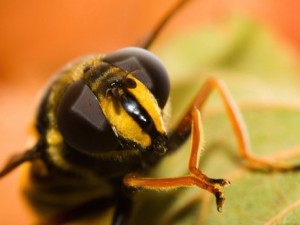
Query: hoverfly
point(101, 127)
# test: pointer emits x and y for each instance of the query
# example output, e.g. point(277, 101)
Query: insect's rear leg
point(182, 131)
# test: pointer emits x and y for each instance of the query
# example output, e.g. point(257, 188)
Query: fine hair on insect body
point(101, 128)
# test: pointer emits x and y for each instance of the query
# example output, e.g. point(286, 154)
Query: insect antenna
point(151, 37)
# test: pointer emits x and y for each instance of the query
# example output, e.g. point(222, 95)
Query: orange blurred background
point(38, 37)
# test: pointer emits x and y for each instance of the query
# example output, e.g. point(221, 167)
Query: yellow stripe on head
point(123, 121)
point(147, 100)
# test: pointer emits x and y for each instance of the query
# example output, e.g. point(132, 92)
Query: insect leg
point(182, 131)
point(122, 211)
point(195, 178)
point(18, 159)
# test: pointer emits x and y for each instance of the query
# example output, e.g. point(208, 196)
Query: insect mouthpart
point(159, 145)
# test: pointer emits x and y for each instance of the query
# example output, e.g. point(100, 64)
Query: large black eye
point(146, 67)
point(82, 122)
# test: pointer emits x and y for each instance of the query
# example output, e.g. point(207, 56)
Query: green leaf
point(263, 78)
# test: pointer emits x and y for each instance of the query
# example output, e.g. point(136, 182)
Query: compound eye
point(146, 67)
point(82, 122)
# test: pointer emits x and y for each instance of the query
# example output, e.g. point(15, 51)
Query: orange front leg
point(195, 178)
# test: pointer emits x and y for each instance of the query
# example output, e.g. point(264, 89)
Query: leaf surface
point(262, 75)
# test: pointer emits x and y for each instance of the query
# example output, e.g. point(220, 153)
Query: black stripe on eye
point(139, 114)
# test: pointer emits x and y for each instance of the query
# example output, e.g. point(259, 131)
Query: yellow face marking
point(123, 124)
point(147, 100)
